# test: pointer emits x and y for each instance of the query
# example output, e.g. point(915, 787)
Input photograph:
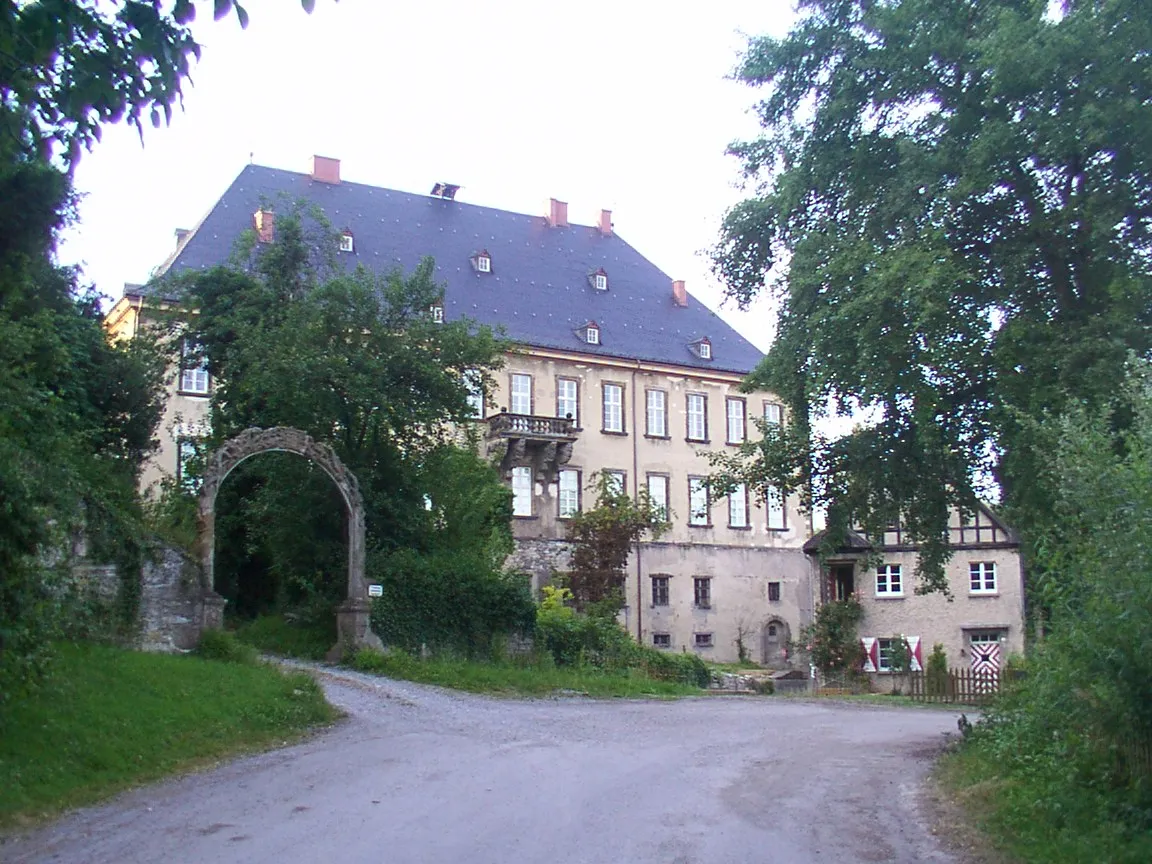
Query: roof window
point(347, 244)
point(702, 348)
point(599, 280)
point(437, 312)
point(482, 261)
point(589, 333)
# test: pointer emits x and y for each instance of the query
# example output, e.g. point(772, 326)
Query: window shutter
point(871, 650)
point(917, 664)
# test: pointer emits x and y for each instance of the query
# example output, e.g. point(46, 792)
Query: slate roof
point(539, 289)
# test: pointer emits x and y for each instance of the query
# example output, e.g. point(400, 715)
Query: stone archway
point(353, 629)
point(774, 641)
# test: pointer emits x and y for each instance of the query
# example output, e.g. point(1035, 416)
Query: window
point(601, 282)
point(774, 502)
point(738, 507)
point(982, 577)
point(699, 505)
point(888, 581)
point(659, 590)
point(703, 640)
point(697, 417)
point(483, 263)
point(438, 314)
point(657, 414)
point(521, 394)
point(569, 493)
point(658, 493)
point(592, 335)
point(773, 592)
point(568, 399)
point(773, 414)
point(613, 408)
point(702, 592)
point(474, 381)
point(705, 349)
point(346, 242)
point(187, 453)
point(521, 491)
point(986, 637)
point(617, 481)
point(884, 655)
point(735, 421)
point(193, 370)
point(661, 640)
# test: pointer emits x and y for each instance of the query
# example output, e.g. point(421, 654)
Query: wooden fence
point(963, 686)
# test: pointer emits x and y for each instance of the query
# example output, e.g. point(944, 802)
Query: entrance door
point(774, 643)
point(984, 646)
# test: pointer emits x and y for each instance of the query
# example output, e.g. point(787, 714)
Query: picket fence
point(962, 686)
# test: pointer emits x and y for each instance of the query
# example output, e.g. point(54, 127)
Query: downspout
point(636, 496)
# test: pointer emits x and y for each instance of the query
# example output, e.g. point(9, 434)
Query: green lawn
point(274, 634)
point(107, 719)
point(511, 679)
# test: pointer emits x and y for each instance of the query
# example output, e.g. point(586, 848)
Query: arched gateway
point(353, 631)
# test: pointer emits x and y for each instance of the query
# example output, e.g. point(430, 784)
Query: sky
point(622, 105)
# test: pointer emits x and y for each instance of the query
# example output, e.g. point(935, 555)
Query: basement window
point(661, 640)
point(347, 244)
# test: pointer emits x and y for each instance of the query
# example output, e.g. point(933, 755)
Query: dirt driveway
point(417, 774)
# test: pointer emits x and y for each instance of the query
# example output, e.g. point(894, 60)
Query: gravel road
point(417, 774)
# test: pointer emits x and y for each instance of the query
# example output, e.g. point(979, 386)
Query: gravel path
point(418, 774)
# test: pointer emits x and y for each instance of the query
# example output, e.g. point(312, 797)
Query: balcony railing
point(505, 425)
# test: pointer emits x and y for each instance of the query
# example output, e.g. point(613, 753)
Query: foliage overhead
point(953, 201)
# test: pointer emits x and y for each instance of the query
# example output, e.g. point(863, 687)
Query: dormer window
point(599, 280)
point(482, 261)
point(437, 312)
point(347, 244)
point(702, 348)
point(590, 333)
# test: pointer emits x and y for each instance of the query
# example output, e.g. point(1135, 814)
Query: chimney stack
point(265, 224)
point(181, 236)
point(325, 170)
point(679, 294)
point(558, 213)
point(606, 223)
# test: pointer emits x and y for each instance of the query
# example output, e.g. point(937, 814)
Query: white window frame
point(705, 350)
point(474, 382)
point(617, 479)
point(568, 493)
point(657, 414)
point(601, 282)
point(193, 379)
point(665, 595)
point(886, 576)
point(522, 492)
point(437, 314)
point(774, 505)
point(483, 264)
point(884, 655)
point(773, 413)
point(736, 420)
point(696, 406)
point(566, 401)
point(658, 492)
point(520, 389)
point(186, 450)
point(978, 578)
point(347, 243)
point(612, 415)
point(699, 505)
point(592, 336)
point(738, 507)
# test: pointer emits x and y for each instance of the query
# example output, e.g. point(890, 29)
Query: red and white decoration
point(871, 646)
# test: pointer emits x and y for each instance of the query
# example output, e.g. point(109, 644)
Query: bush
point(225, 647)
point(936, 672)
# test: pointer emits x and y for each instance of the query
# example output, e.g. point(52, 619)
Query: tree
point(954, 203)
point(602, 538)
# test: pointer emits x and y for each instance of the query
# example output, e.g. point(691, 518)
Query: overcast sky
point(623, 105)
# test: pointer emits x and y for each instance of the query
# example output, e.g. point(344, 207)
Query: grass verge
point(1040, 819)
point(107, 719)
point(275, 634)
point(510, 679)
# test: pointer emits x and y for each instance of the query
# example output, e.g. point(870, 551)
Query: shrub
point(225, 647)
point(936, 672)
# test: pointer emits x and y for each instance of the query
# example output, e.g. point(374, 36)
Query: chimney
point(558, 213)
point(181, 236)
point(265, 223)
point(679, 295)
point(325, 170)
point(606, 223)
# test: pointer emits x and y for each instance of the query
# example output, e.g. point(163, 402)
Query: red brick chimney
point(679, 294)
point(558, 213)
point(606, 223)
point(325, 170)
point(265, 224)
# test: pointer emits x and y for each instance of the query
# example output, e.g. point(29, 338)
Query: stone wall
point(540, 559)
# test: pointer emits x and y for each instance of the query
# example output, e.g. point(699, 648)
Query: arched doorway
point(353, 629)
point(774, 641)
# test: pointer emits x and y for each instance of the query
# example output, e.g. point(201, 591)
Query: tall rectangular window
point(658, 493)
point(657, 414)
point(735, 414)
point(568, 399)
point(187, 452)
point(773, 592)
point(697, 417)
point(569, 493)
point(889, 581)
point(474, 382)
point(702, 592)
point(521, 401)
point(698, 503)
point(738, 507)
point(193, 370)
point(613, 408)
point(659, 590)
point(617, 481)
point(521, 491)
point(774, 502)
point(773, 413)
point(982, 577)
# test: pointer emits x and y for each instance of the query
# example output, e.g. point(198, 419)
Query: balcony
point(527, 440)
